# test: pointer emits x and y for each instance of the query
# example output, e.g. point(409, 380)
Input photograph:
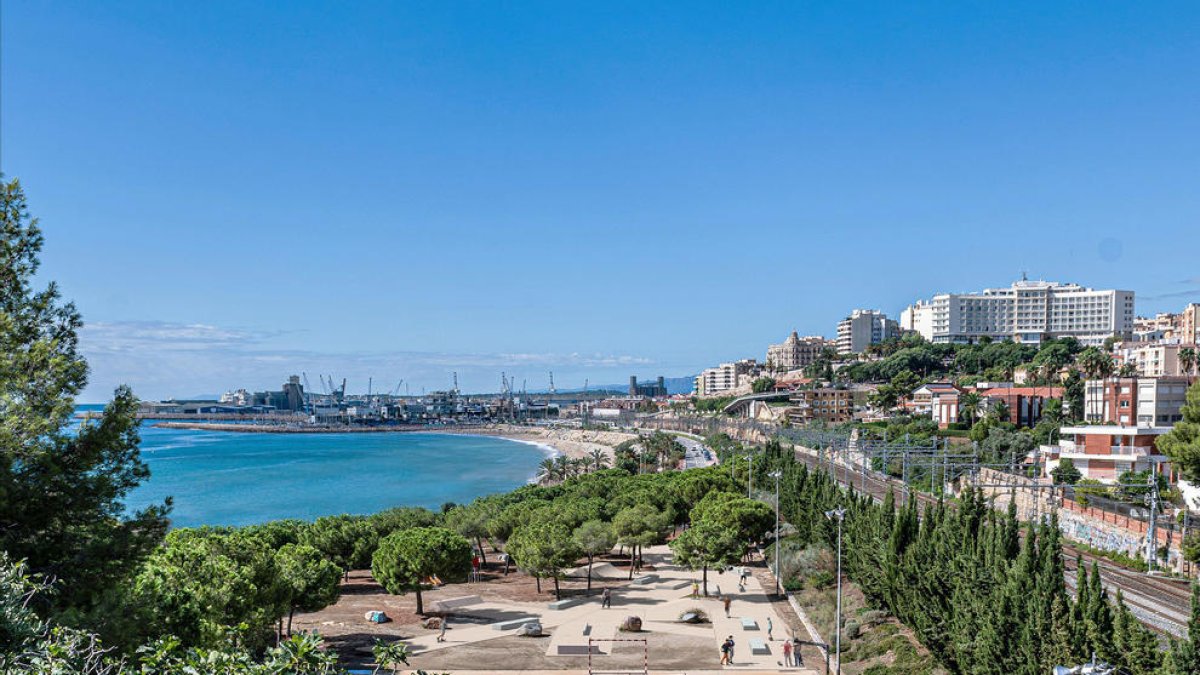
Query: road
point(696, 455)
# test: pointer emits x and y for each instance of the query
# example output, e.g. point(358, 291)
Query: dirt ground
point(346, 630)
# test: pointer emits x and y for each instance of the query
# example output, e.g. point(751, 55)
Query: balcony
point(1129, 451)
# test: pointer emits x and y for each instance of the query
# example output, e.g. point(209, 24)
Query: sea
point(229, 478)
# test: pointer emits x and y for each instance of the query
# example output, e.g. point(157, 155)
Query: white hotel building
point(1027, 311)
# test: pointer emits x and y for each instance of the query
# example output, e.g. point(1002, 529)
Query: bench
point(647, 579)
point(578, 650)
point(514, 623)
point(757, 646)
point(575, 650)
point(454, 603)
point(563, 604)
point(749, 624)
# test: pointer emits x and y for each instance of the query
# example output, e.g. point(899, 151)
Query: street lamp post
point(776, 475)
point(749, 476)
point(840, 515)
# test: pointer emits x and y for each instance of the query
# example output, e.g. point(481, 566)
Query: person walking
point(796, 658)
point(787, 654)
point(695, 589)
point(727, 601)
point(442, 633)
point(732, 644)
point(606, 598)
point(770, 627)
point(725, 653)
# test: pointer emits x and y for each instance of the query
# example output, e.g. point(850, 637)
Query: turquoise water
point(221, 478)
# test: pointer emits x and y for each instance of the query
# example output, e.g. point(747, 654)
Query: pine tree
point(62, 494)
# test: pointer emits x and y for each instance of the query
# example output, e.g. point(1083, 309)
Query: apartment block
point(725, 377)
point(1189, 324)
point(863, 328)
point(831, 405)
point(1030, 312)
point(1136, 401)
point(1183, 327)
point(918, 318)
point(1152, 359)
point(796, 352)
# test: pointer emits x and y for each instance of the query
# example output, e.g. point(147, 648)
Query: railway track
point(1162, 604)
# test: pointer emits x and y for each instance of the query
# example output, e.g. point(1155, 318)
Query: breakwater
point(276, 428)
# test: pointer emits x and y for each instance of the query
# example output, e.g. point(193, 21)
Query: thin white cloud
point(162, 360)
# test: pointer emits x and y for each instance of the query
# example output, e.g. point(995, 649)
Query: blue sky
point(232, 192)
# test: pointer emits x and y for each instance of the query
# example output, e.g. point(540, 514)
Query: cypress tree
point(1185, 654)
point(1099, 618)
point(1059, 648)
point(1136, 647)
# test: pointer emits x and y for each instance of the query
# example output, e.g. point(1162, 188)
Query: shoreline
point(572, 443)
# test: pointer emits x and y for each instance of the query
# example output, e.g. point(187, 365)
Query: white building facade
point(918, 318)
point(863, 328)
point(1030, 312)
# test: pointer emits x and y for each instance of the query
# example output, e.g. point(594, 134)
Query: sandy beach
point(574, 443)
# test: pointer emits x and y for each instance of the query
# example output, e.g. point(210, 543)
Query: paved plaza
point(658, 597)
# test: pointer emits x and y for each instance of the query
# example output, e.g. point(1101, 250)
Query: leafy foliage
point(1182, 443)
point(407, 559)
point(61, 493)
point(544, 548)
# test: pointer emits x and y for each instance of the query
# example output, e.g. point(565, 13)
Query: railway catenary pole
point(1151, 533)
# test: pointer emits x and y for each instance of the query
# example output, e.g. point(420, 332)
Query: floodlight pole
point(776, 475)
point(749, 476)
point(840, 515)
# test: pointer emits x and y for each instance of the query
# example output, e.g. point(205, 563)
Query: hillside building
point(1136, 401)
point(796, 352)
point(863, 328)
point(726, 377)
point(1105, 452)
point(1028, 312)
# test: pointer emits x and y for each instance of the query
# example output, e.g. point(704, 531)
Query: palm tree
point(999, 411)
point(563, 466)
point(547, 471)
point(1128, 369)
point(599, 459)
point(1096, 363)
point(1188, 358)
point(969, 405)
point(579, 466)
